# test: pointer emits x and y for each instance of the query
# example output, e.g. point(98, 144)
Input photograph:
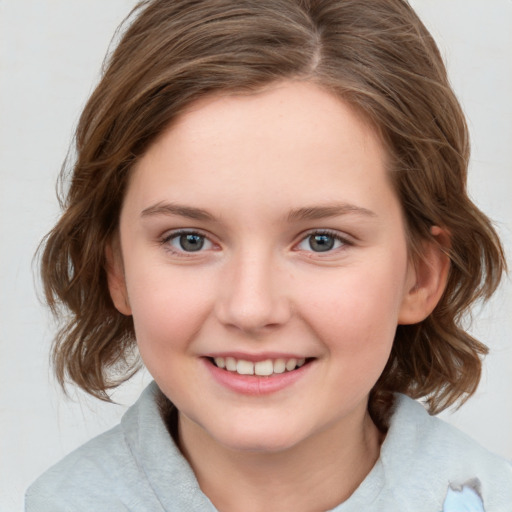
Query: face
point(264, 262)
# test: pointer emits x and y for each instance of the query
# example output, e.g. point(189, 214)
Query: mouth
point(265, 368)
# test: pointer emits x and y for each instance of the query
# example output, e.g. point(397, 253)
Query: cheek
point(168, 308)
point(356, 310)
point(357, 328)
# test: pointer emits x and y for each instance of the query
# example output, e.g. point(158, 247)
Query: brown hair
point(378, 57)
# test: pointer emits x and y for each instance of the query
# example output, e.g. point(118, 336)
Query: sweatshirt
point(425, 465)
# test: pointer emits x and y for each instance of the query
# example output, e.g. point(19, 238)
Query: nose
point(253, 298)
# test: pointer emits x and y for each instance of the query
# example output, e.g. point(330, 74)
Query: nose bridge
point(253, 297)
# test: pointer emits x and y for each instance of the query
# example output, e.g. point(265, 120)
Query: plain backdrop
point(50, 57)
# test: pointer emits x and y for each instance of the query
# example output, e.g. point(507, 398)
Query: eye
point(322, 242)
point(187, 241)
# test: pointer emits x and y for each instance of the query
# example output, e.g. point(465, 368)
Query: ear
point(427, 280)
point(115, 278)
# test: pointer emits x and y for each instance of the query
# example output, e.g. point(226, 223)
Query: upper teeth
point(262, 368)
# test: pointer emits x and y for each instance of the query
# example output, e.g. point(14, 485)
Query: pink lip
point(254, 384)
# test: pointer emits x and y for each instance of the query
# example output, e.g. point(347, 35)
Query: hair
point(378, 58)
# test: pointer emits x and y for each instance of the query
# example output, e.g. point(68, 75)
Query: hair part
point(381, 60)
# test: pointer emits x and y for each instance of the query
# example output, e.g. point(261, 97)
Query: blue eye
point(321, 242)
point(188, 242)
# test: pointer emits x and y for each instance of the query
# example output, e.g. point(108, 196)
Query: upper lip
point(263, 356)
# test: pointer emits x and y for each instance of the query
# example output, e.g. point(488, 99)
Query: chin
point(256, 438)
point(259, 444)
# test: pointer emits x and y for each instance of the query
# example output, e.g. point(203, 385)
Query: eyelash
point(344, 241)
point(179, 233)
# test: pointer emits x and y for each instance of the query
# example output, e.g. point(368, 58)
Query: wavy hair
point(376, 56)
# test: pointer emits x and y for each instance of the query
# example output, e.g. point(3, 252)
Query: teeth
point(264, 367)
point(279, 366)
point(244, 367)
point(291, 364)
point(231, 364)
point(261, 368)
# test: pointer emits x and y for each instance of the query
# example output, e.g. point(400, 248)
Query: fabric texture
point(425, 465)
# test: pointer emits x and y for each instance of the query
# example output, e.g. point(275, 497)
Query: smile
point(264, 368)
point(258, 375)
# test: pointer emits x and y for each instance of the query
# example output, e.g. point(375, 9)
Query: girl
point(269, 201)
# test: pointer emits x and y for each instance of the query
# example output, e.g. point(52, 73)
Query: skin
point(256, 175)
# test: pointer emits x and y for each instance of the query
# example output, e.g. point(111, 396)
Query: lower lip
point(254, 384)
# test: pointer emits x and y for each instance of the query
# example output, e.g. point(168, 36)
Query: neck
point(317, 474)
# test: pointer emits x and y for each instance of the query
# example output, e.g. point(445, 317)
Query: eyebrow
point(177, 209)
point(298, 214)
point(322, 212)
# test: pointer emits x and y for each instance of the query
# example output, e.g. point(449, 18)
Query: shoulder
point(104, 474)
point(134, 467)
point(81, 475)
point(427, 456)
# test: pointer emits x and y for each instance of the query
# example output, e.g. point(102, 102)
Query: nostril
point(251, 299)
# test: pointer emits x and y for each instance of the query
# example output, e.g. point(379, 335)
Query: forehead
point(293, 139)
point(300, 109)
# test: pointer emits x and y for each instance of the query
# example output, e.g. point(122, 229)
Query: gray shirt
point(136, 466)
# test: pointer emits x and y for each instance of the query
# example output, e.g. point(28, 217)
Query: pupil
point(191, 242)
point(321, 243)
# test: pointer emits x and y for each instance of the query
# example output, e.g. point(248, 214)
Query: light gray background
point(50, 56)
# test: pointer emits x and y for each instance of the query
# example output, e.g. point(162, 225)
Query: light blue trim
point(465, 500)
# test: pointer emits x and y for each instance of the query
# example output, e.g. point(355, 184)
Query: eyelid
point(166, 238)
point(345, 239)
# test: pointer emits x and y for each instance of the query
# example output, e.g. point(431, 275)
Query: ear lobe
point(428, 280)
point(115, 278)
